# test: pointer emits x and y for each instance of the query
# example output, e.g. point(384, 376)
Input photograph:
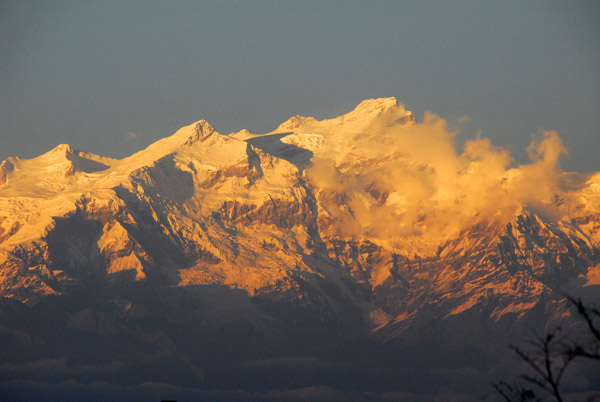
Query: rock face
point(370, 223)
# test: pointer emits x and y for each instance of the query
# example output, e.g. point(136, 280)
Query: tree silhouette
point(549, 356)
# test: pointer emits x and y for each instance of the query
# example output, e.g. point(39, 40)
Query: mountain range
point(361, 257)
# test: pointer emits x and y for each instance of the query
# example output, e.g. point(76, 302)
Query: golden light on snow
point(384, 175)
point(377, 175)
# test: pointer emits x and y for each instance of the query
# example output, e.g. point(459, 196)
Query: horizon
point(113, 79)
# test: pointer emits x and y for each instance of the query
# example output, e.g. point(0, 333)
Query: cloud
point(26, 391)
point(133, 136)
point(403, 182)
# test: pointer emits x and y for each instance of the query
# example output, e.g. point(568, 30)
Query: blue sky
point(112, 77)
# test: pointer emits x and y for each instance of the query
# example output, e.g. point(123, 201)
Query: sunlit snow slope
point(371, 209)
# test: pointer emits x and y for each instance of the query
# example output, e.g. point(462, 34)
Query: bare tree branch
point(548, 357)
point(586, 313)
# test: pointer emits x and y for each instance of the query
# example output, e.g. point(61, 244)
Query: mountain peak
point(366, 111)
point(373, 108)
point(202, 130)
point(63, 148)
point(295, 122)
point(376, 104)
point(184, 137)
point(188, 135)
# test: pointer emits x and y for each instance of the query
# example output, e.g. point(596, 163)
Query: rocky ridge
point(294, 215)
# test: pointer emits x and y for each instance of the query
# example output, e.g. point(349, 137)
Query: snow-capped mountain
point(371, 219)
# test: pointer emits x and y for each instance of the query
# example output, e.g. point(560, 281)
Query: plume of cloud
point(409, 180)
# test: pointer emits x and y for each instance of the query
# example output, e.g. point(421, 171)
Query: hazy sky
point(112, 77)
